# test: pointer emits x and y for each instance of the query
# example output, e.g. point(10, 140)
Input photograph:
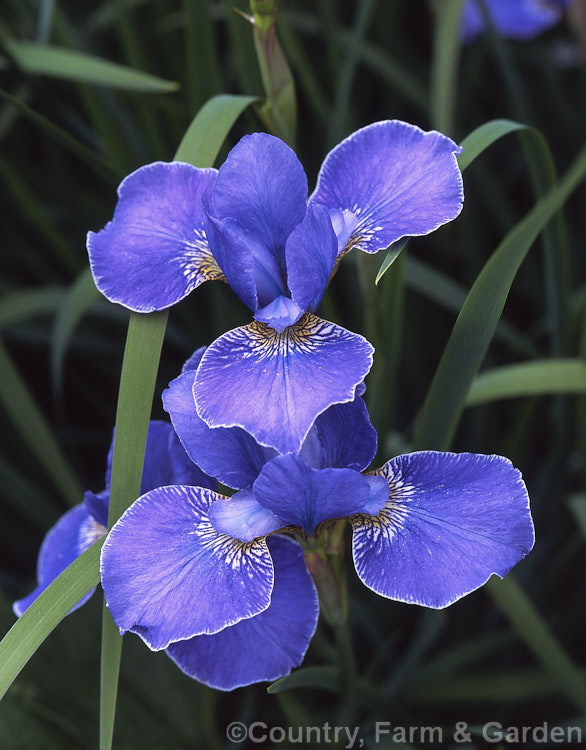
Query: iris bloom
point(518, 19)
point(218, 581)
point(165, 463)
point(251, 224)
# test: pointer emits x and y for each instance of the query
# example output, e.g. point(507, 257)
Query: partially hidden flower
point(517, 19)
point(251, 224)
point(220, 583)
point(165, 463)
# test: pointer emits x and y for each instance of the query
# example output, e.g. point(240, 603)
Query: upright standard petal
point(312, 249)
point(397, 181)
point(274, 385)
point(267, 646)
point(97, 505)
point(341, 437)
point(155, 250)
point(229, 454)
point(451, 521)
point(262, 188)
point(168, 575)
point(305, 497)
point(73, 533)
point(235, 259)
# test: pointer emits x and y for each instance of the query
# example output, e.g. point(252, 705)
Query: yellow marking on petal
point(300, 337)
point(364, 232)
point(198, 263)
point(391, 519)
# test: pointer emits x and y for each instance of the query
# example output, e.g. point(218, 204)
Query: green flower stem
point(279, 112)
point(137, 386)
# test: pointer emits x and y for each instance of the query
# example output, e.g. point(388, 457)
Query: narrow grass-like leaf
point(71, 65)
point(323, 678)
point(472, 147)
point(497, 687)
point(27, 498)
point(483, 137)
point(345, 76)
point(17, 401)
point(443, 406)
point(459, 658)
point(66, 139)
point(206, 134)
point(200, 53)
point(137, 385)
point(23, 304)
point(444, 69)
point(532, 628)
point(577, 505)
point(74, 304)
point(444, 291)
point(543, 175)
point(44, 614)
point(534, 378)
point(479, 316)
point(199, 146)
point(393, 253)
point(19, 189)
point(398, 76)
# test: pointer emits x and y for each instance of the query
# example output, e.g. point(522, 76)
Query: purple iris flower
point(165, 463)
point(220, 584)
point(251, 224)
point(518, 19)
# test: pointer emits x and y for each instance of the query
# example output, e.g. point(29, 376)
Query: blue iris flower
point(252, 225)
point(518, 19)
point(165, 463)
point(220, 582)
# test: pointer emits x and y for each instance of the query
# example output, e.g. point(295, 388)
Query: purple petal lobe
point(235, 258)
point(341, 437)
point(168, 575)
point(451, 521)
point(165, 461)
point(155, 250)
point(303, 496)
point(229, 454)
point(267, 646)
point(73, 533)
point(311, 252)
point(396, 179)
point(279, 314)
point(192, 363)
point(517, 19)
point(262, 187)
point(243, 517)
point(97, 505)
point(274, 385)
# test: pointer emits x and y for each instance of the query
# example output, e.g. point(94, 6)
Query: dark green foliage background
point(354, 63)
